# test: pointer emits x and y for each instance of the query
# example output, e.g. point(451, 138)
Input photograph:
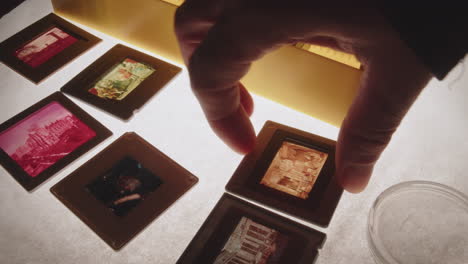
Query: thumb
point(390, 84)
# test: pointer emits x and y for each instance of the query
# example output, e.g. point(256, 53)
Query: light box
point(293, 76)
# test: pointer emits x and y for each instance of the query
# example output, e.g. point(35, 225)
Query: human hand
point(219, 40)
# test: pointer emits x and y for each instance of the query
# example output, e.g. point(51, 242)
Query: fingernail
point(236, 130)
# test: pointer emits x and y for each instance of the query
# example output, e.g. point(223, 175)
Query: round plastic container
point(419, 222)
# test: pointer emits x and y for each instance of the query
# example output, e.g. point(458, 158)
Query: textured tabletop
point(36, 228)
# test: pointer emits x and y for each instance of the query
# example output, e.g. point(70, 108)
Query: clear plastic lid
point(419, 222)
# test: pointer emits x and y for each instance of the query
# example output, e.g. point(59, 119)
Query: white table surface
point(431, 144)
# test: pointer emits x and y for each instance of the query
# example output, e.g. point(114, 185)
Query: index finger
point(222, 59)
point(194, 20)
